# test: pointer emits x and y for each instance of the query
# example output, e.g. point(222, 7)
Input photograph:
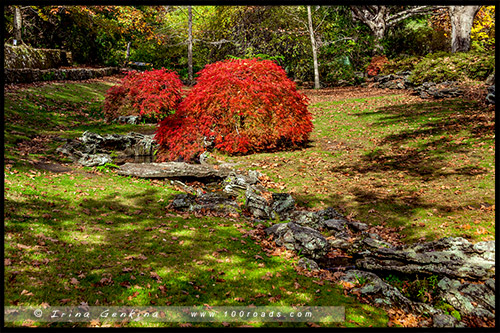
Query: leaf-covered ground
point(388, 158)
point(423, 168)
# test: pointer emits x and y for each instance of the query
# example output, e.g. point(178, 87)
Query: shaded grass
point(73, 238)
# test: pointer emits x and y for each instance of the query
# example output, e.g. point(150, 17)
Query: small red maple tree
point(240, 106)
point(376, 65)
point(152, 94)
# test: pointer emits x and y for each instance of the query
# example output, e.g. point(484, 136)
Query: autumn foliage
point(151, 94)
point(376, 65)
point(237, 106)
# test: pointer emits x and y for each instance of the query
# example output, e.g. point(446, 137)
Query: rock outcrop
point(448, 89)
point(490, 97)
point(453, 257)
point(92, 149)
point(303, 240)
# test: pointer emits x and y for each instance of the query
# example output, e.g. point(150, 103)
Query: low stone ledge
point(28, 75)
point(174, 170)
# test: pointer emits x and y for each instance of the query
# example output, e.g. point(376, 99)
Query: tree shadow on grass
point(428, 136)
point(103, 253)
point(433, 131)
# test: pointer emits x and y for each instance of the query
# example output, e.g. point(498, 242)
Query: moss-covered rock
point(23, 56)
point(27, 75)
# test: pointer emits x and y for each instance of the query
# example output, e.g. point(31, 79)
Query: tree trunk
point(190, 45)
point(314, 50)
point(462, 18)
point(380, 18)
point(379, 28)
point(18, 24)
point(127, 55)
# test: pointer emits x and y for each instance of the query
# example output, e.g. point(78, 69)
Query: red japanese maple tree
point(152, 94)
point(376, 65)
point(240, 106)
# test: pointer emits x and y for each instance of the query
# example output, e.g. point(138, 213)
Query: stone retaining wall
point(28, 75)
point(23, 56)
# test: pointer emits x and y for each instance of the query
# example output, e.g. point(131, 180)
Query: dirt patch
point(56, 168)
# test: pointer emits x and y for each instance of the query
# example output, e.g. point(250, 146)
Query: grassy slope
point(425, 167)
point(102, 239)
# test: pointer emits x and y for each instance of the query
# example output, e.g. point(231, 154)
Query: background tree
point(380, 18)
point(313, 47)
point(190, 45)
point(462, 18)
point(18, 24)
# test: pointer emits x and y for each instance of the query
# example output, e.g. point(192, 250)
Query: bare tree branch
point(418, 10)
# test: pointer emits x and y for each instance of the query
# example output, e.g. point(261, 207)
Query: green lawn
point(95, 237)
point(425, 168)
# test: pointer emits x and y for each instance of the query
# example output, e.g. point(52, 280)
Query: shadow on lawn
point(430, 135)
point(143, 260)
point(434, 130)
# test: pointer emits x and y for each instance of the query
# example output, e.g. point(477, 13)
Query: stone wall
point(27, 75)
point(23, 56)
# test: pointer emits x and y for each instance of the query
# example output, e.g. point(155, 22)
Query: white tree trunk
point(314, 49)
point(127, 54)
point(18, 24)
point(190, 45)
point(462, 18)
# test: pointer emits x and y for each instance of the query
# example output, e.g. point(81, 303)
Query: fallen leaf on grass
point(27, 293)
point(481, 231)
point(155, 276)
point(133, 295)
point(28, 323)
point(125, 284)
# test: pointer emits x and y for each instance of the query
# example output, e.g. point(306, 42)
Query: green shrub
point(401, 64)
point(440, 67)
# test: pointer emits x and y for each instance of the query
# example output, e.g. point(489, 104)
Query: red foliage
point(376, 65)
point(153, 94)
point(243, 106)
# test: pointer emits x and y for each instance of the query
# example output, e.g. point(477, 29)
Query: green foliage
point(401, 64)
point(448, 309)
point(422, 290)
point(277, 58)
point(346, 48)
point(459, 66)
point(415, 37)
point(360, 280)
point(106, 167)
